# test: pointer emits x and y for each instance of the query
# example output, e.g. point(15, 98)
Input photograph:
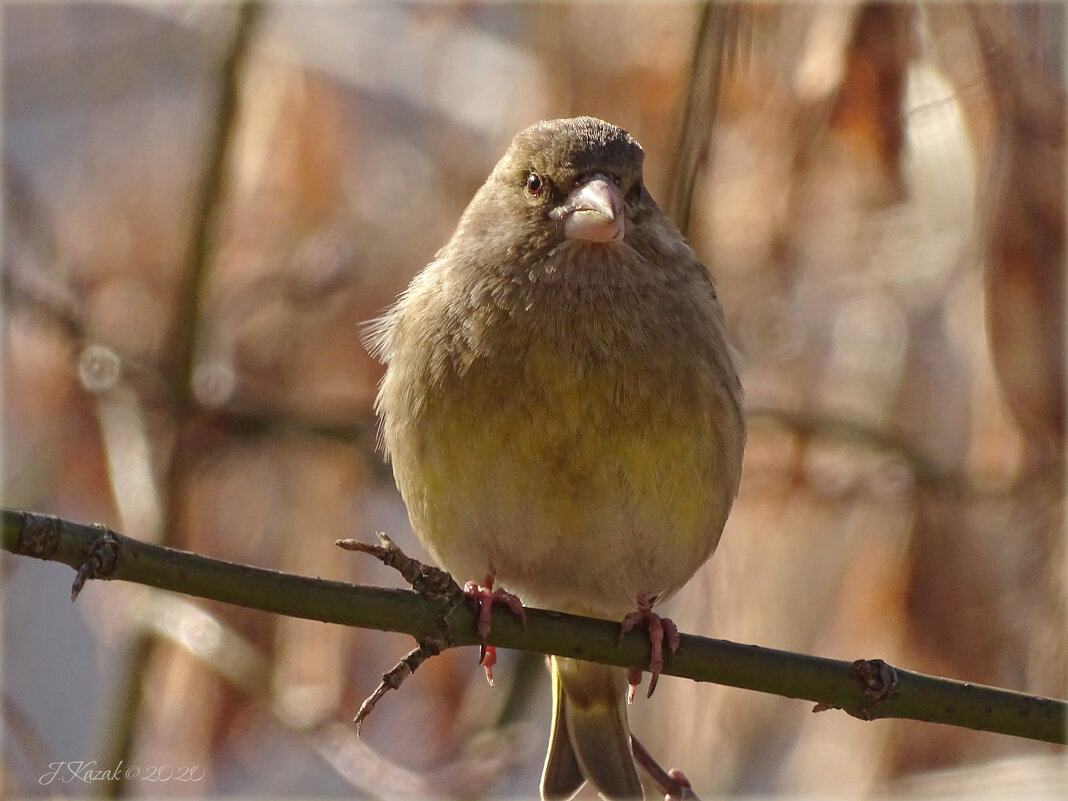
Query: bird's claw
point(662, 631)
point(485, 597)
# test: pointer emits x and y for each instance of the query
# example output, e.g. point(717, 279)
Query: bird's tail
point(590, 739)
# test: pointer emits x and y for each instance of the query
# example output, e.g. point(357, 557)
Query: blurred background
point(202, 202)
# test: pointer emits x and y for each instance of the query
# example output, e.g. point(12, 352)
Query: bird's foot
point(662, 631)
point(485, 597)
point(673, 783)
point(680, 786)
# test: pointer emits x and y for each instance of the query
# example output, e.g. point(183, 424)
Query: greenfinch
point(563, 413)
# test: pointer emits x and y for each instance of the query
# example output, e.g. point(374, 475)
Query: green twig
point(866, 689)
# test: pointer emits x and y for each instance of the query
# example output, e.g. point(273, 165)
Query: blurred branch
point(867, 689)
point(21, 732)
point(719, 38)
point(180, 361)
point(183, 623)
point(832, 428)
point(31, 279)
point(1023, 232)
point(253, 421)
point(209, 201)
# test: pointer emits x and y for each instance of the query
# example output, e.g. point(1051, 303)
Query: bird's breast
point(579, 482)
point(572, 433)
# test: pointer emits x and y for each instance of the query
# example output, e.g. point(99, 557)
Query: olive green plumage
point(564, 413)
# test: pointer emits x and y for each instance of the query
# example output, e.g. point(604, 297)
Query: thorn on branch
point(101, 557)
point(432, 584)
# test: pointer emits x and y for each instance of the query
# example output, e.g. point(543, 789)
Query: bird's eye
point(534, 184)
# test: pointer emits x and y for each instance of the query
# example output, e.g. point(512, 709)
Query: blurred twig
point(209, 202)
point(245, 667)
point(718, 41)
point(834, 428)
point(866, 689)
point(180, 362)
point(34, 285)
point(927, 474)
point(22, 732)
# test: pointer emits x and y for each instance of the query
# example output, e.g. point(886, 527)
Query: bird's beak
point(593, 212)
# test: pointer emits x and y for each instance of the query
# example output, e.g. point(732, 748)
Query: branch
point(208, 203)
point(720, 40)
point(866, 689)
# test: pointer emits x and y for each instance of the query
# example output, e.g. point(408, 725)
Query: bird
point(563, 414)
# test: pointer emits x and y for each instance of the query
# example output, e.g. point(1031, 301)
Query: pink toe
point(634, 678)
point(489, 659)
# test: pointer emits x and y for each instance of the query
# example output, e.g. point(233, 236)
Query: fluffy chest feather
point(568, 437)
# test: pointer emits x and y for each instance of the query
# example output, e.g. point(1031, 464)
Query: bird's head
point(578, 180)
